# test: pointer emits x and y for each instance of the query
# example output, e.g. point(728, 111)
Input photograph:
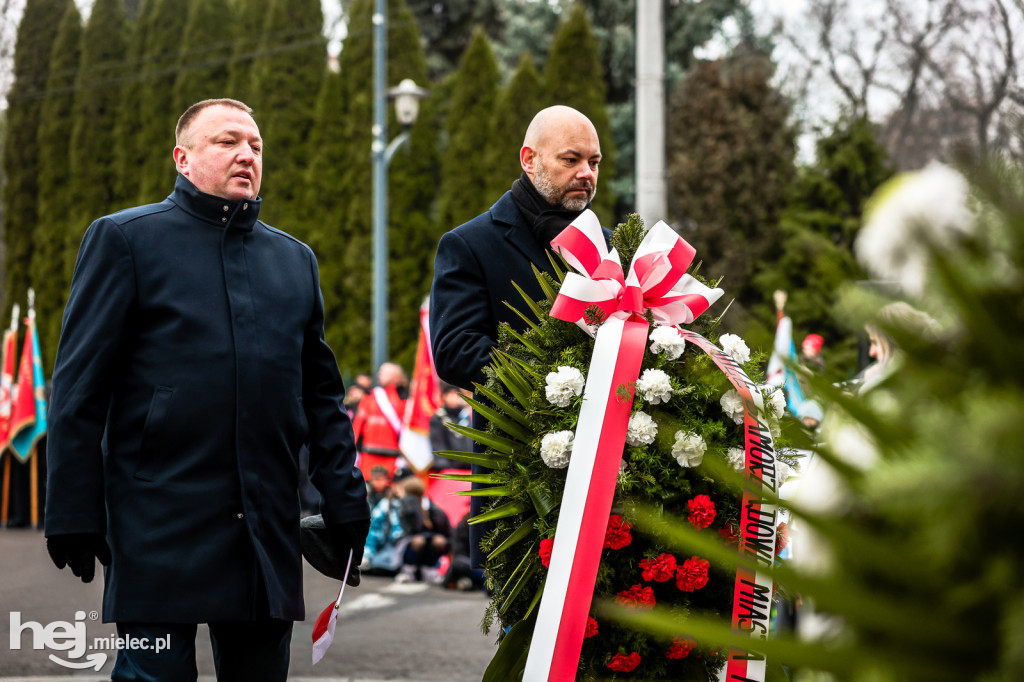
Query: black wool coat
point(192, 366)
point(474, 269)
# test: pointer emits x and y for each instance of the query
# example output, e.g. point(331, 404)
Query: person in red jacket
point(378, 421)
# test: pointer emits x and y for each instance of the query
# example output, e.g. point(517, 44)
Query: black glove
point(351, 535)
point(79, 551)
point(326, 548)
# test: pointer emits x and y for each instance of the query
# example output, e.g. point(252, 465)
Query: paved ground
point(414, 633)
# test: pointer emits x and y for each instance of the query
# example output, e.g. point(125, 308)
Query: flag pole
point(33, 456)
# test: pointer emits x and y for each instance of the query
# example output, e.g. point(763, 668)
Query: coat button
point(245, 207)
point(241, 515)
point(224, 219)
point(225, 207)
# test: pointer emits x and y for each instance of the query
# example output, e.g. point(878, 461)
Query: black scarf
point(545, 221)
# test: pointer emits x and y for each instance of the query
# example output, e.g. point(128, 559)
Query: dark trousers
point(242, 651)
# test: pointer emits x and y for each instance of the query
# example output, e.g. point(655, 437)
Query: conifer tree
point(731, 150)
point(823, 213)
point(129, 152)
point(286, 79)
point(52, 246)
point(36, 35)
point(158, 112)
point(518, 102)
point(573, 76)
point(412, 182)
point(205, 60)
point(464, 190)
point(247, 33)
point(97, 97)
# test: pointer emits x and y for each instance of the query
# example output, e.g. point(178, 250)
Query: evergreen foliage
point(52, 245)
point(447, 27)
point(157, 110)
point(731, 150)
point(822, 215)
point(412, 235)
point(518, 102)
point(130, 153)
point(97, 99)
point(36, 35)
point(247, 33)
point(203, 67)
point(286, 78)
point(573, 76)
point(464, 189)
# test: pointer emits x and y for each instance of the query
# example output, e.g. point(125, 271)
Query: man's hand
point(79, 551)
point(351, 535)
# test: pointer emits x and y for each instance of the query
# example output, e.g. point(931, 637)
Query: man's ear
point(181, 160)
point(528, 159)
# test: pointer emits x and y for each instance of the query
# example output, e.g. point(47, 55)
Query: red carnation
point(680, 648)
point(781, 537)
point(660, 569)
point(591, 630)
point(637, 597)
point(730, 533)
point(702, 511)
point(545, 551)
point(624, 664)
point(617, 536)
point(693, 574)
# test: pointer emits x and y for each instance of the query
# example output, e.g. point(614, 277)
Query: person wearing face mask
point(477, 262)
point(191, 370)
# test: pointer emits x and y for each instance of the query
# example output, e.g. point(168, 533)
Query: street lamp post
point(406, 96)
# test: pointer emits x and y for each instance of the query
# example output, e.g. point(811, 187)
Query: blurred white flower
point(775, 398)
point(782, 472)
point(732, 405)
point(735, 348)
point(688, 449)
point(563, 385)
point(655, 386)
point(667, 339)
point(641, 429)
point(737, 458)
point(555, 449)
point(907, 215)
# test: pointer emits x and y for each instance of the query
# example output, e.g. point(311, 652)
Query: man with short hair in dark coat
point(192, 368)
point(477, 262)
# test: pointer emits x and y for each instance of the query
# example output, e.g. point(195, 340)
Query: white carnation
point(563, 385)
point(667, 339)
point(775, 397)
point(735, 348)
point(732, 405)
point(641, 430)
point(737, 458)
point(908, 217)
point(688, 449)
point(555, 449)
point(782, 473)
point(655, 386)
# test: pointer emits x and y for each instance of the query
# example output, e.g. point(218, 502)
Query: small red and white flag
point(323, 631)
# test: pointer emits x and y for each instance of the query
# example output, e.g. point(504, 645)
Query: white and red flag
point(323, 630)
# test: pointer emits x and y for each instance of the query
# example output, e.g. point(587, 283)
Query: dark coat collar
point(517, 232)
point(240, 215)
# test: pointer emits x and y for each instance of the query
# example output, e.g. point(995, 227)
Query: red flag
point(424, 399)
point(23, 407)
point(7, 378)
point(323, 630)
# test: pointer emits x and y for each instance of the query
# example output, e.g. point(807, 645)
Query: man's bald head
point(390, 373)
point(560, 155)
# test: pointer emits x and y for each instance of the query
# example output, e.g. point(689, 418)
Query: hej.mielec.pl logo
point(71, 638)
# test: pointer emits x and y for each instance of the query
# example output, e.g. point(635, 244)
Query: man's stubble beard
point(556, 195)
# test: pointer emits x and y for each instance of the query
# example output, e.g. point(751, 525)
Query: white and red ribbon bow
point(657, 279)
